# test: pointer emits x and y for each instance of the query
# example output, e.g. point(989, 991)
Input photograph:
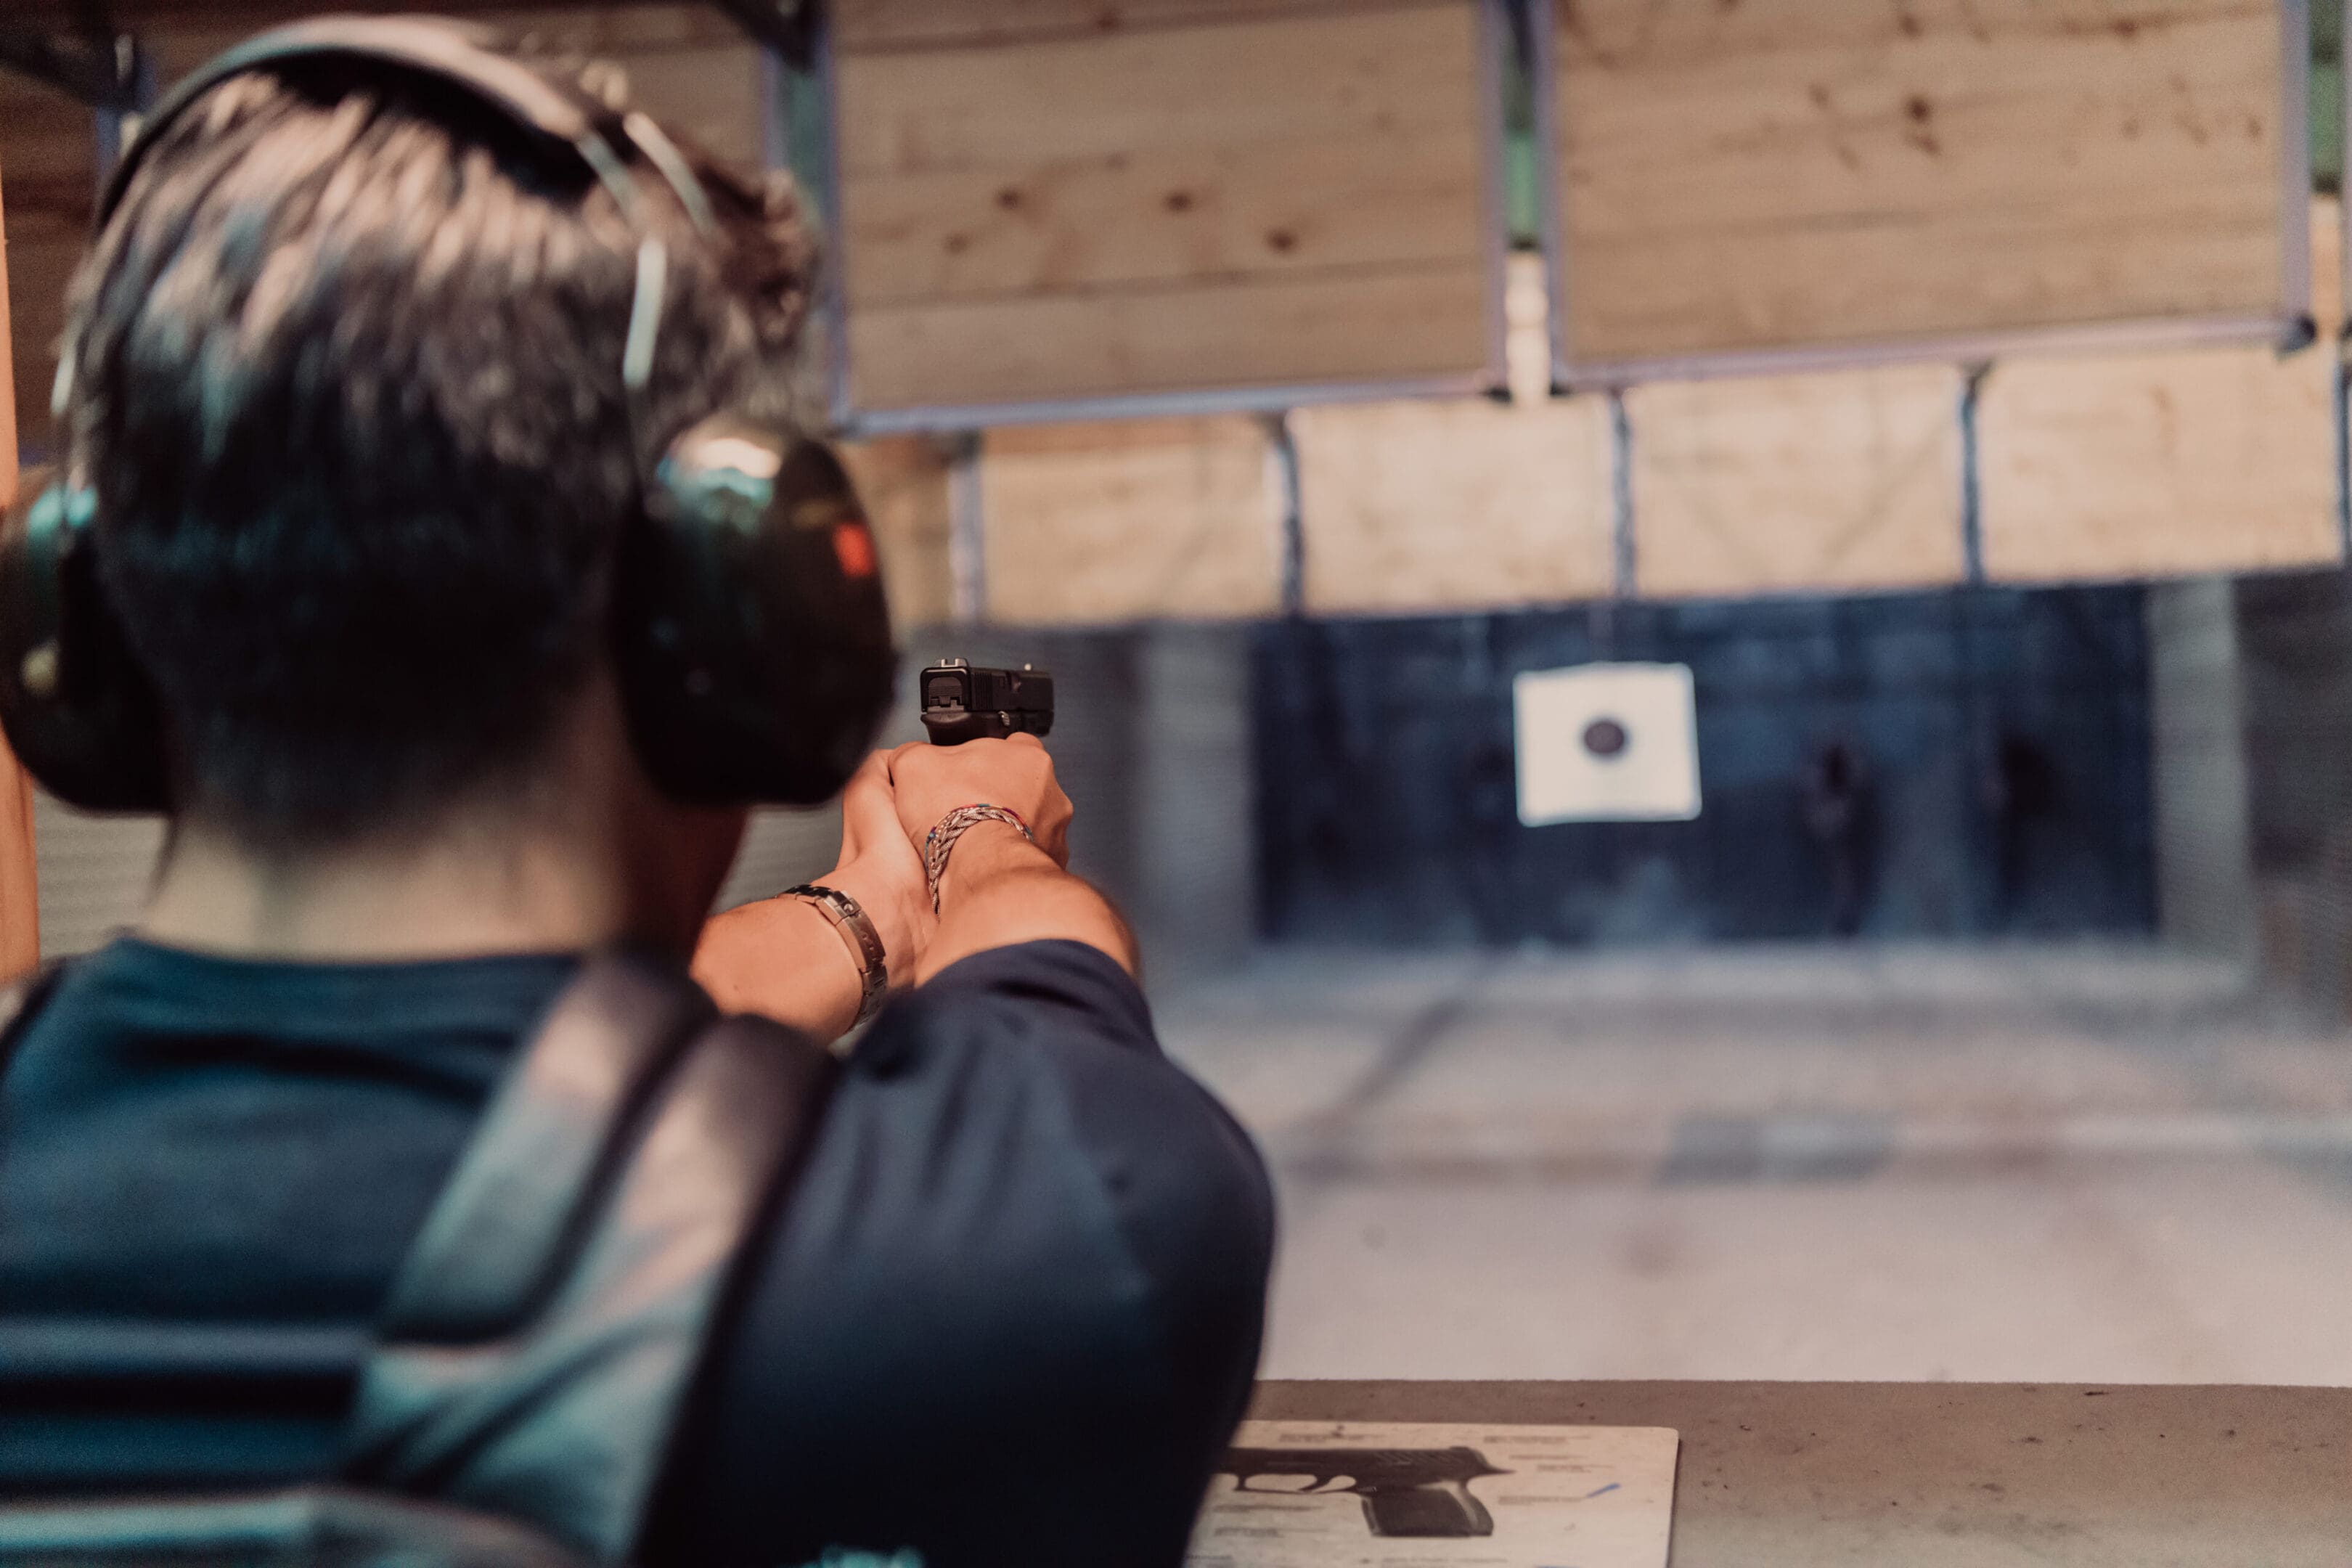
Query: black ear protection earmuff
point(749, 627)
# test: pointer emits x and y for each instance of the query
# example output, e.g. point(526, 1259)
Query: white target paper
point(1606, 742)
point(1303, 1494)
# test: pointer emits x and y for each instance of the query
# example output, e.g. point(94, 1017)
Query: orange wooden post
point(20, 917)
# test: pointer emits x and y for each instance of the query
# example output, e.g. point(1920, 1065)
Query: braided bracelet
point(941, 840)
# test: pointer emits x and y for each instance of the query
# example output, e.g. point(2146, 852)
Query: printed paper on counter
point(1297, 1494)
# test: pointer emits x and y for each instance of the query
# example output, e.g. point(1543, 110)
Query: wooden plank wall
point(1819, 483)
point(20, 920)
point(2155, 465)
point(1143, 519)
point(903, 480)
point(1835, 482)
point(1045, 200)
point(1736, 177)
point(869, 25)
point(2108, 466)
point(687, 64)
point(1472, 504)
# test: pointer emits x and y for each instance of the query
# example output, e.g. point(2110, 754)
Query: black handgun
point(964, 702)
point(1405, 1491)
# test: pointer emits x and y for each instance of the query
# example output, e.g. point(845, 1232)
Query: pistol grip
point(953, 727)
point(1440, 1508)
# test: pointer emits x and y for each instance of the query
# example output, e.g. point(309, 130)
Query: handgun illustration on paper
point(1405, 1491)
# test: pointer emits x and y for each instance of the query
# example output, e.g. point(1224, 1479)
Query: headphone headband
point(554, 111)
point(560, 113)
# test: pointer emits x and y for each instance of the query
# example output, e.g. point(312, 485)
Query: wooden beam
point(1445, 505)
point(1405, 323)
point(869, 25)
point(1844, 483)
point(2155, 465)
point(903, 480)
point(20, 913)
point(1142, 519)
point(1749, 178)
point(1237, 195)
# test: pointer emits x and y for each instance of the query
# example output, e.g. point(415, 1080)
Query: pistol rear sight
point(963, 703)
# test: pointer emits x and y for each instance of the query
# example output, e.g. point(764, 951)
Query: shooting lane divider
point(1624, 558)
point(1282, 453)
point(2342, 413)
point(1971, 491)
point(967, 533)
point(2342, 312)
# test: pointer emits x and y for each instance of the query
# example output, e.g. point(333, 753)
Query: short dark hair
point(349, 387)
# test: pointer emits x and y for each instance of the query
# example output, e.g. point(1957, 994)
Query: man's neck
point(589, 854)
point(448, 894)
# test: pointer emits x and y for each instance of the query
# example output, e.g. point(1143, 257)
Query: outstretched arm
point(780, 957)
point(1000, 889)
point(783, 958)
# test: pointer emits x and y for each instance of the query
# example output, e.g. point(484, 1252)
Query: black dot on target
point(1606, 738)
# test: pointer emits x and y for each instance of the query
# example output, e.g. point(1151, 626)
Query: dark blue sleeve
point(1013, 1312)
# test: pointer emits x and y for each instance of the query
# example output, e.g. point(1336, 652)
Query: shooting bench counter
point(1947, 1474)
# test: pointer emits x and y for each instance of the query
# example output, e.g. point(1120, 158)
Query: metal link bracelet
point(941, 840)
point(856, 928)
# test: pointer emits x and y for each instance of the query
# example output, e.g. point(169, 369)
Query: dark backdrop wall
point(2002, 737)
point(2293, 669)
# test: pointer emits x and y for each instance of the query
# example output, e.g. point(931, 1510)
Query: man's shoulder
point(1034, 1070)
point(1066, 983)
point(18, 994)
point(20, 1005)
point(1062, 1019)
point(1021, 1220)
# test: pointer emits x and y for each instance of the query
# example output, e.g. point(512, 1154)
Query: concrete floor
point(2084, 1163)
